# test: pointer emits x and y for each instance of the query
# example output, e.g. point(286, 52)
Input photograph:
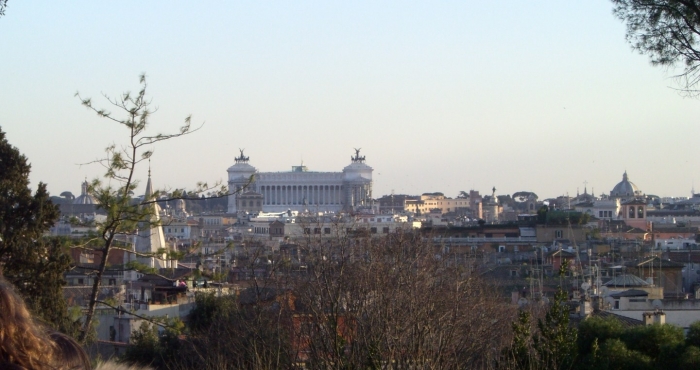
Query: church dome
point(85, 197)
point(625, 188)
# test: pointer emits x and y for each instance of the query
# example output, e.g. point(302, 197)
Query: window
point(81, 282)
point(631, 212)
point(327, 230)
point(558, 234)
point(317, 230)
point(513, 273)
point(307, 230)
point(373, 230)
point(385, 230)
point(640, 212)
point(112, 282)
point(617, 305)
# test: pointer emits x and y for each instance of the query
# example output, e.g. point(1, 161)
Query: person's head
point(69, 354)
point(23, 344)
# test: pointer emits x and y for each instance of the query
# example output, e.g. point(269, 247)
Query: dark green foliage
point(693, 336)
point(690, 359)
point(542, 215)
point(555, 343)
point(42, 290)
point(552, 346)
point(226, 334)
point(650, 339)
point(208, 308)
point(606, 344)
point(614, 354)
point(520, 352)
point(31, 262)
point(603, 343)
point(23, 217)
point(153, 348)
point(596, 330)
point(145, 345)
point(221, 334)
point(667, 31)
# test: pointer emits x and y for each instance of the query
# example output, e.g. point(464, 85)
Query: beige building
point(435, 201)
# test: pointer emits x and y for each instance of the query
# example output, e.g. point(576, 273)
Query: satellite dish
point(657, 303)
point(585, 286)
point(522, 301)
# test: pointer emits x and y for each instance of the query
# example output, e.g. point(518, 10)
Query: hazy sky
point(441, 96)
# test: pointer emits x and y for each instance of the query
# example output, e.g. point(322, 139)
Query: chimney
point(659, 317)
point(656, 317)
point(585, 308)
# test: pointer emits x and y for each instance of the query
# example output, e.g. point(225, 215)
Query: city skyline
point(447, 97)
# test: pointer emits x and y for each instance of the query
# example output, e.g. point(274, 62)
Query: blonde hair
point(23, 344)
point(70, 355)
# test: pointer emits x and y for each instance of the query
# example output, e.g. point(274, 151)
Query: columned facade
point(301, 189)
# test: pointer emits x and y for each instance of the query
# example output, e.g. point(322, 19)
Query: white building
point(604, 209)
point(149, 242)
point(301, 189)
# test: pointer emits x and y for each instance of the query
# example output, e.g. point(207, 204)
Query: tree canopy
point(667, 31)
point(31, 262)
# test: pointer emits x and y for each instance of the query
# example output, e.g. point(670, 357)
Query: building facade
point(435, 201)
point(301, 189)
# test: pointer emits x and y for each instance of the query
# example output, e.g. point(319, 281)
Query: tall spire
point(149, 186)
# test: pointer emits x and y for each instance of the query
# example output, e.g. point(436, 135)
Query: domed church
point(626, 190)
point(85, 197)
point(633, 208)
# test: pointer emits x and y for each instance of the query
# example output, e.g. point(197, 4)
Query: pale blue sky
point(441, 96)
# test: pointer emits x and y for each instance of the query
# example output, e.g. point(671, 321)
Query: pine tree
point(555, 343)
point(125, 215)
point(31, 262)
